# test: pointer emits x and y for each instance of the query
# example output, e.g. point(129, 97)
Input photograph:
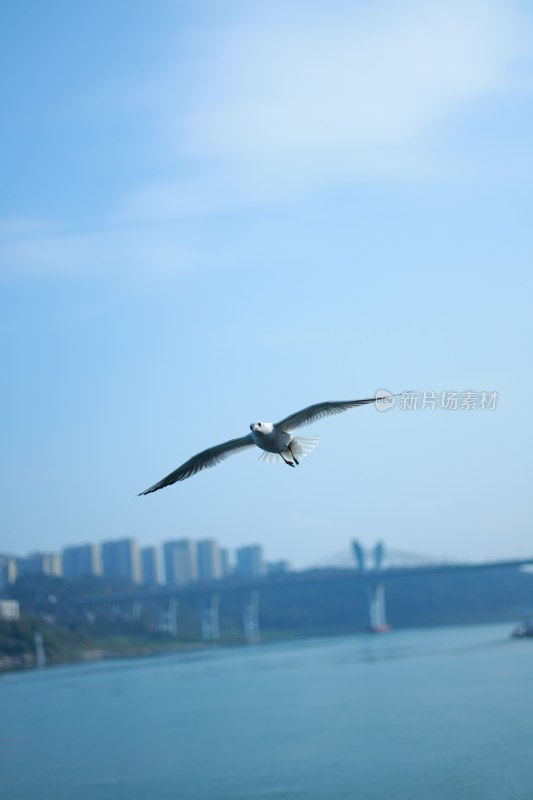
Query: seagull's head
point(261, 427)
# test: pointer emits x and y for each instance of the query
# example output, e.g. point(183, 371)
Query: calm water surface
point(444, 714)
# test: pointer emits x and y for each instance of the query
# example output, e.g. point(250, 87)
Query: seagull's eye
point(258, 424)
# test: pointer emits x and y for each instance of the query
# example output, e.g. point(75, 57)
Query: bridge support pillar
point(251, 618)
point(211, 619)
point(168, 617)
point(40, 655)
point(136, 610)
point(376, 608)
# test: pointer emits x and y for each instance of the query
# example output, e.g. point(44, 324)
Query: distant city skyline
point(171, 563)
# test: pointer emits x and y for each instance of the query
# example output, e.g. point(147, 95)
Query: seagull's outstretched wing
point(204, 460)
point(310, 414)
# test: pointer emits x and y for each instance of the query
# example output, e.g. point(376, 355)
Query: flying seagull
point(274, 438)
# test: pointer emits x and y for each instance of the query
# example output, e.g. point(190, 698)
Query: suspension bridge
point(371, 568)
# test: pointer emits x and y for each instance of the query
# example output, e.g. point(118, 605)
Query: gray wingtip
point(147, 491)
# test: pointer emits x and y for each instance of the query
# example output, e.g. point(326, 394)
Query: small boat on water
point(523, 630)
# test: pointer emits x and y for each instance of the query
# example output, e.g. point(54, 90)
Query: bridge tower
point(379, 555)
point(359, 554)
point(377, 618)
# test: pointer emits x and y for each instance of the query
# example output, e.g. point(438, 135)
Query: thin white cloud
point(166, 199)
point(34, 248)
point(287, 99)
point(304, 94)
point(278, 101)
point(308, 85)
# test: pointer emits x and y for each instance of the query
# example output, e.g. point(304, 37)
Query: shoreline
point(26, 662)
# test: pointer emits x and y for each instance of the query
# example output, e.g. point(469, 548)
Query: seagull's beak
point(252, 426)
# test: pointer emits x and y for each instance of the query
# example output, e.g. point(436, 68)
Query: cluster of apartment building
point(175, 563)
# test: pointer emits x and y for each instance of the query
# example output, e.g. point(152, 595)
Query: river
point(439, 714)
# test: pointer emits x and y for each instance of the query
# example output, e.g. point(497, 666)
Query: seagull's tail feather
point(270, 458)
point(301, 446)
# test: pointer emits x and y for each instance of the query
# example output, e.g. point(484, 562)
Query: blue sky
point(213, 213)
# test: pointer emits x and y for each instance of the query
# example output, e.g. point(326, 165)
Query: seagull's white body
point(268, 437)
point(280, 445)
point(275, 439)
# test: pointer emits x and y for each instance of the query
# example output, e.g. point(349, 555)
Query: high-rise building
point(250, 561)
point(81, 560)
point(209, 561)
point(120, 559)
point(41, 564)
point(278, 567)
point(151, 566)
point(8, 571)
point(180, 562)
point(9, 610)
point(225, 562)
point(53, 564)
